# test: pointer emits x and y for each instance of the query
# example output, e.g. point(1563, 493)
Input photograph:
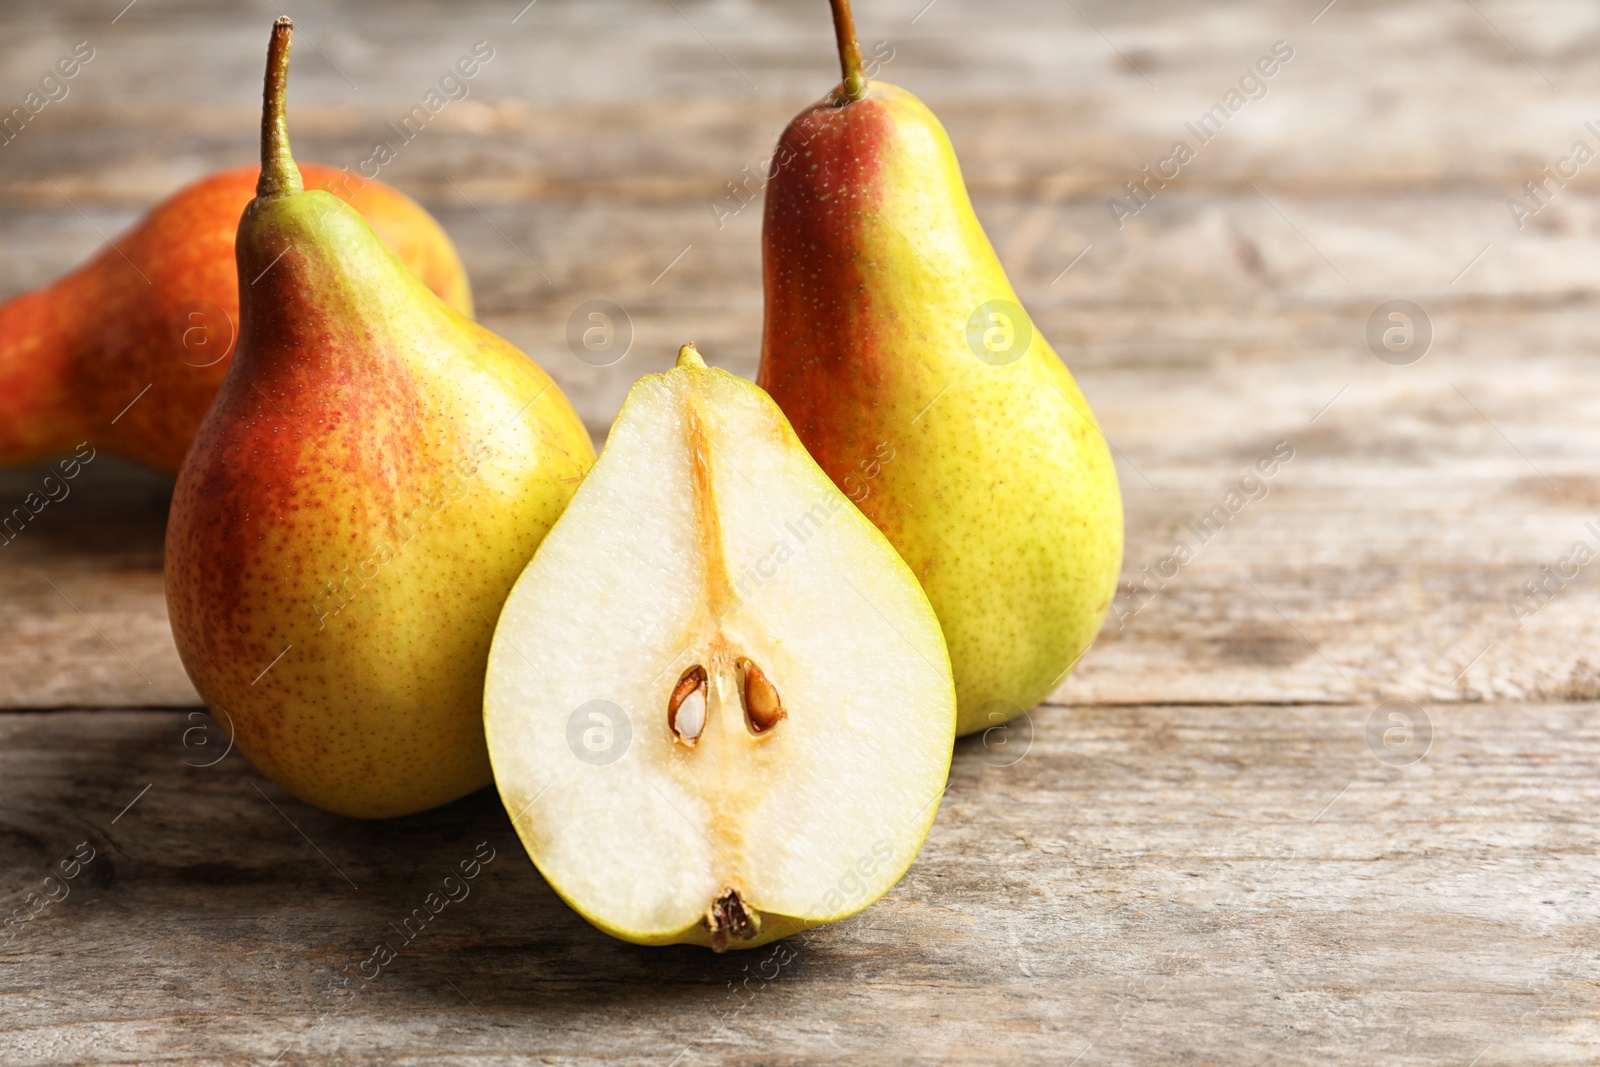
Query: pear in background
point(128, 350)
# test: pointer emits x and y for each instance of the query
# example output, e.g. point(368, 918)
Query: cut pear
point(719, 707)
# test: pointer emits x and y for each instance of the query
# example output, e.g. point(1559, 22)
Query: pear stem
point(279, 176)
point(844, 28)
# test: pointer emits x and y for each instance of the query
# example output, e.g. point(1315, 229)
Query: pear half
point(718, 706)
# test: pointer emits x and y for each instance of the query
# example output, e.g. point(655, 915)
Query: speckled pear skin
point(992, 480)
point(373, 477)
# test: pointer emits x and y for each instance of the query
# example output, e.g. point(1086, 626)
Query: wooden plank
point(1383, 557)
point(1132, 884)
point(85, 619)
point(1401, 95)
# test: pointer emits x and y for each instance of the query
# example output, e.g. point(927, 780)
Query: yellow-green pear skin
point(897, 348)
point(375, 473)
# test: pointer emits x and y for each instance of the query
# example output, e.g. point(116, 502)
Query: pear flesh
point(718, 705)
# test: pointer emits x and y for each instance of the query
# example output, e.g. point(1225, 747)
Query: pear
point(127, 351)
point(374, 475)
point(896, 346)
point(718, 704)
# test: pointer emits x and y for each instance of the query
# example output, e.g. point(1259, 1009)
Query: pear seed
point(762, 707)
point(686, 708)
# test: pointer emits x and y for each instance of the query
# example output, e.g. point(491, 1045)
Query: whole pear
point(127, 351)
point(898, 349)
point(375, 473)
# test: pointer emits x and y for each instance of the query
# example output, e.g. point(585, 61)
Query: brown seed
point(728, 915)
point(686, 708)
point(762, 706)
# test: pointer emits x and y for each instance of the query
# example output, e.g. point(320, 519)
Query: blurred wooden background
point(1204, 854)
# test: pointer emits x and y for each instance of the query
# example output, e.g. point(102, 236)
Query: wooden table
point(1216, 844)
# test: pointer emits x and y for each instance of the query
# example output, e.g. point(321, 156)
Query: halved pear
point(719, 707)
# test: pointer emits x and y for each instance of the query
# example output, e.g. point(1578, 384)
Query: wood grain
point(1198, 853)
point(1380, 563)
point(1203, 885)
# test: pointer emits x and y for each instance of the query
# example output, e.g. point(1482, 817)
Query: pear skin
point(960, 434)
point(127, 351)
point(374, 475)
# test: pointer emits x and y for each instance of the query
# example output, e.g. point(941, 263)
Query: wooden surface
point(1201, 851)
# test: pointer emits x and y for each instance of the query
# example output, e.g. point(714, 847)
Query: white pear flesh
point(705, 535)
